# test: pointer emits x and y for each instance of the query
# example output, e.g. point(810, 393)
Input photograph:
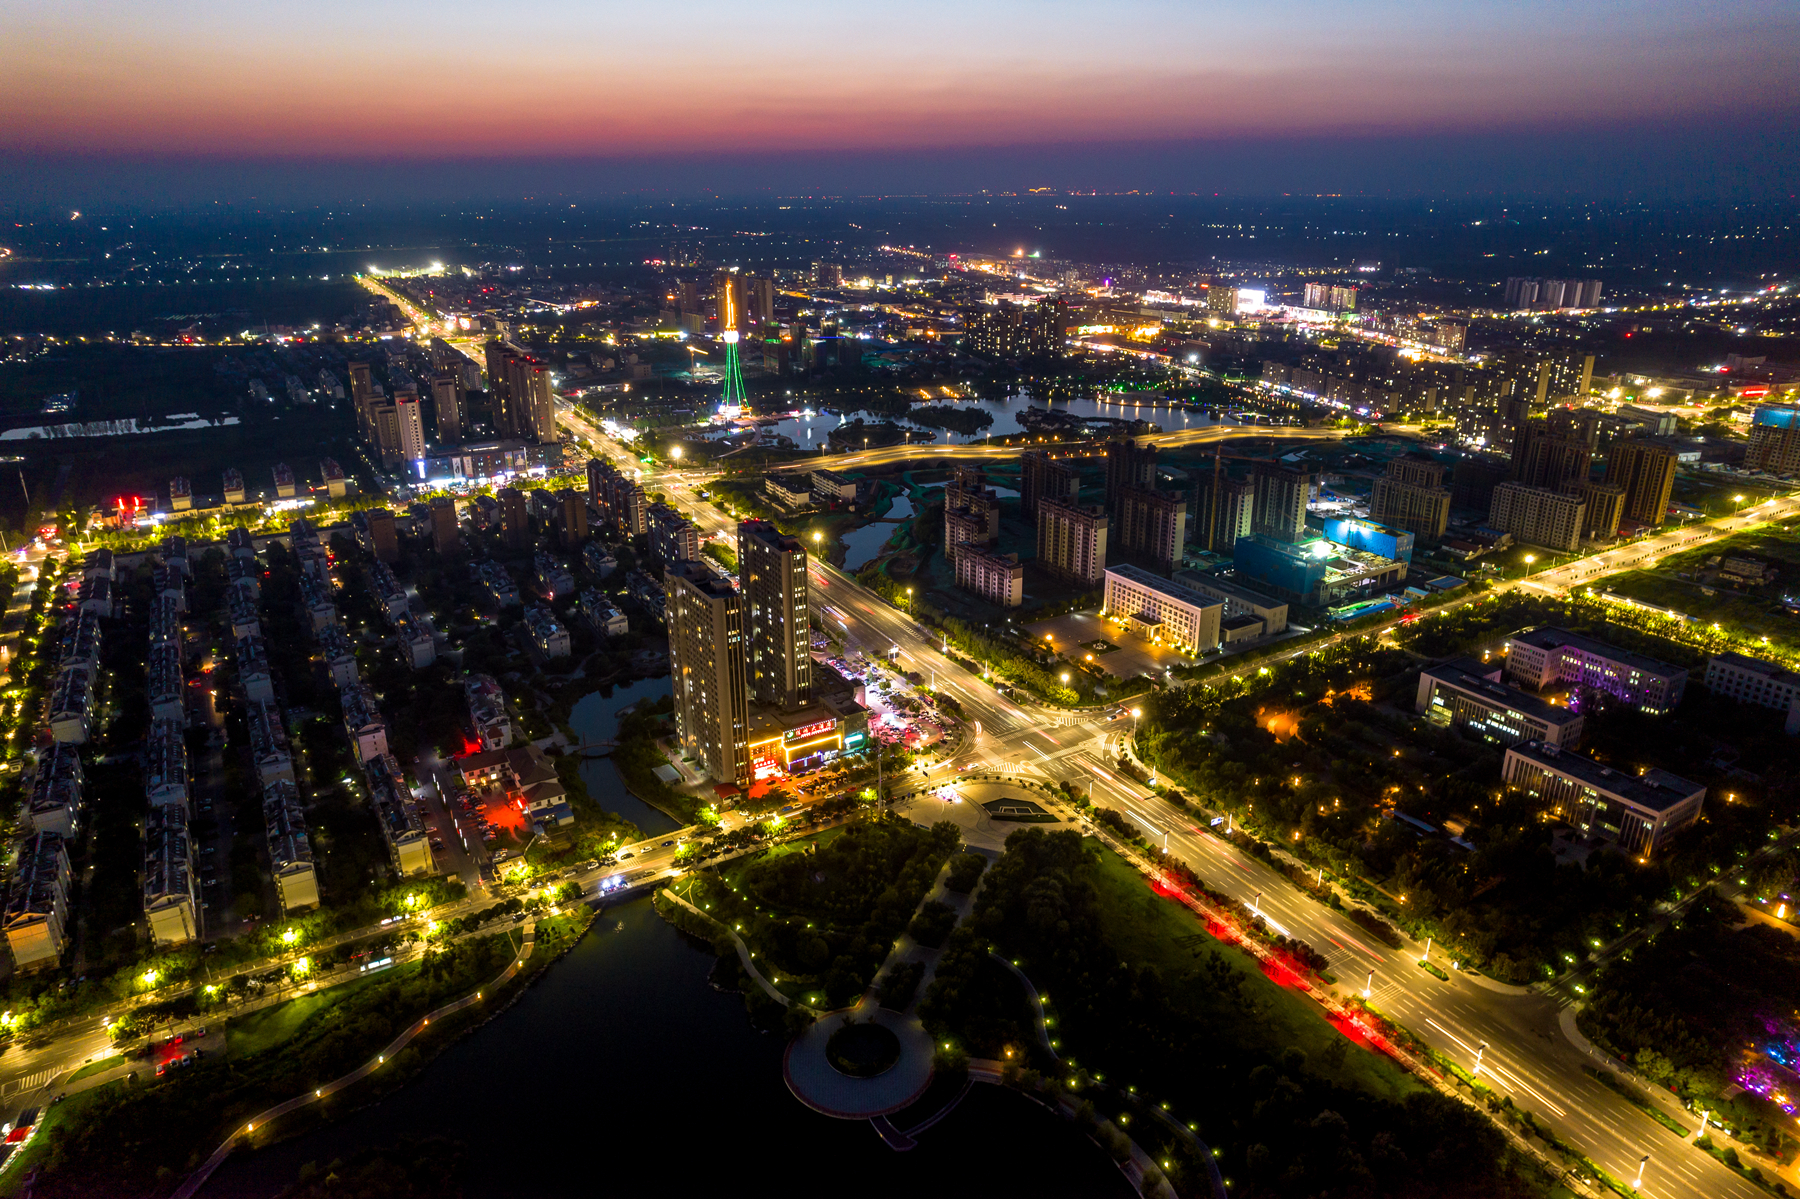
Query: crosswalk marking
point(31, 1081)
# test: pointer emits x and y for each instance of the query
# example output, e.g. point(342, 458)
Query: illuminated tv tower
point(734, 401)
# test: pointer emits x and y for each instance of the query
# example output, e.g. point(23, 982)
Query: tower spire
point(733, 401)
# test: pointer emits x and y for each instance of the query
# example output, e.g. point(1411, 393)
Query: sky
point(933, 88)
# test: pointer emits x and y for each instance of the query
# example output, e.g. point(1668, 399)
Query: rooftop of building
point(1655, 790)
point(1232, 588)
point(1551, 637)
point(1768, 670)
point(37, 878)
point(701, 578)
point(1168, 587)
point(1466, 674)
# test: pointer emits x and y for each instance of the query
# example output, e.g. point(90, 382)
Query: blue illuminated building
point(1295, 570)
point(1371, 537)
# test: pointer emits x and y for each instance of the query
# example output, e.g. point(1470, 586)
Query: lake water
point(622, 1071)
point(809, 432)
point(596, 718)
point(860, 545)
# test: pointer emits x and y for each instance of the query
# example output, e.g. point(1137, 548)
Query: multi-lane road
point(1518, 1033)
point(1527, 1054)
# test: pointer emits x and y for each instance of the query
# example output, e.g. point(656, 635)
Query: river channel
point(622, 1072)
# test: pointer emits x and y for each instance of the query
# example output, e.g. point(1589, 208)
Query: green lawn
point(1753, 615)
point(1147, 928)
point(270, 1026)
point(68, 1112)
point(99, 1067)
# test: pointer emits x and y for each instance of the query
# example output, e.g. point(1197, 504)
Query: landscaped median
point(138, 1136)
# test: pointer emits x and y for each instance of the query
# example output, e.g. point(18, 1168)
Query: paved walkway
point(744, 955)
point(981, 833)
point(198, 1178)
point(808, 1070)
point(815, 1083)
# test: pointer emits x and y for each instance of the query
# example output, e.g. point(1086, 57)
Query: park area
point(1142, 1001)
point(821, 914)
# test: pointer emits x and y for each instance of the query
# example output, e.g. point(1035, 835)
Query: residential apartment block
point(1071, 540)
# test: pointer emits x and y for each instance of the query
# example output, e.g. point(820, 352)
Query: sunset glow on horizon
point(464, 80)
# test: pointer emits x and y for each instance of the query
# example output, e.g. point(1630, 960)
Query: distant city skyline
point(829, 96)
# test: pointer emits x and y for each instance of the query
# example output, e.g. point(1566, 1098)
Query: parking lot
point(1072, 635)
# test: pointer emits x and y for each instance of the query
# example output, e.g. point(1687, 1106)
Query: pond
point(622, 1072)
point(861, 545)
point(596, 718)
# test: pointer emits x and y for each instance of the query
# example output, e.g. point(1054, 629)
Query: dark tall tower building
point(772, 570)
point(1220, 512)
point(448, 399)
point(1647, 473)
point(572, 516)
point(707, 669)
point(444, 536)
point(1042, 477)
point(496, 351)
point(1151, 526)
point(531, 411)
point(1279, 509)
point(515, 521)
point(1128, 465)
point(1554, 462)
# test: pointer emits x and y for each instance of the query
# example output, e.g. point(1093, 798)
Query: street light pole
point(1639, 1181)
point(1476, 1073)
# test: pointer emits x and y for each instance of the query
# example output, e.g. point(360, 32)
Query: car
point(666, 844)
point(623, 856)
point(176, 1039)
point(200, 1033)
point(161, 1069)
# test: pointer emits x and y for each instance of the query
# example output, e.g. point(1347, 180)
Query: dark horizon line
point(1699, 161)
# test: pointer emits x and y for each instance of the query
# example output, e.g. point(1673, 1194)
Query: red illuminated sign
point(809, 730)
